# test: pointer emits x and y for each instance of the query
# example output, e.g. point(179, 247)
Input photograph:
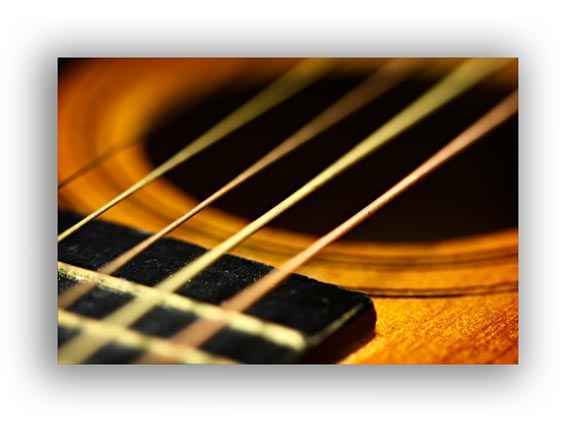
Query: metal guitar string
point(96, 161)
point(383, 79)
point(459, 80)
point(197, 333)
point(267, 330)
point(296, 79)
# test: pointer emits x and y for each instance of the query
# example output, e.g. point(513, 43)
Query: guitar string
point(161, 348)
point(199, 332)
point(456, 82)
point(383, 79)
point(300, 76)
point(96, 161)
point(270, 331)
point(386, 77)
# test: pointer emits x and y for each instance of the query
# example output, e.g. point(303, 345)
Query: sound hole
point(475, 193)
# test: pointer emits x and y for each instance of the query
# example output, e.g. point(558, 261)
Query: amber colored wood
point(453, 301)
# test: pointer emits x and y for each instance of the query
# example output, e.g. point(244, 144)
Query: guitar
point(440, 263)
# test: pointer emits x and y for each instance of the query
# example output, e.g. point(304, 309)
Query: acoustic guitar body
point(439, 263)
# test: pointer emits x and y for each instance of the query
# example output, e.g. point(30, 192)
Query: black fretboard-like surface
point(333, 321)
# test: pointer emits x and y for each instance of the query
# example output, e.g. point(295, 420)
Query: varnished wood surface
point(462, 330)
point(451, 301)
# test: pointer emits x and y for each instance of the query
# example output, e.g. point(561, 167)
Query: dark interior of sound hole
point(477, 192)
